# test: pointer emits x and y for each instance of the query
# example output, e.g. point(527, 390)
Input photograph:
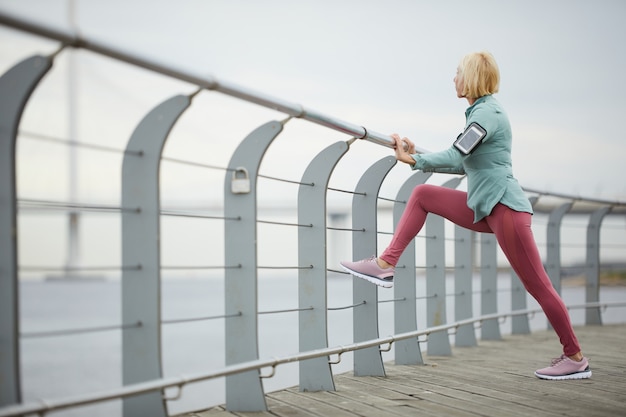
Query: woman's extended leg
point(426, 198)
point(515, 236)
point(451, 204)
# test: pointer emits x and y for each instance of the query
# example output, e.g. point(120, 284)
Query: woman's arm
point(443, 161)
point(449, 170)
point(404, 148)
point(449, 161)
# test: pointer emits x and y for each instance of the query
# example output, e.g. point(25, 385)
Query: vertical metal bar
point(74, 216)
point(463, 280)
point(490, 329)
point(553, 251)
point(553, 238)
point(244, 391)
point(367, 362)
point(210, 83)
point(16, 86)
point(315, 374)
point(519, 324)
point(463, 283)
point(141, 288)
point(592, 289)
point(439, 342)
point(407, 352)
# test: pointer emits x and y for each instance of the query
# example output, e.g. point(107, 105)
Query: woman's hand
point(404, 148)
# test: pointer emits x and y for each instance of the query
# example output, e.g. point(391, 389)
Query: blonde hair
point(480, 73)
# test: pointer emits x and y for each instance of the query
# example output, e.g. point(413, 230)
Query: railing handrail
point(204, 82)
point(575, 198)
point(44, 406)
point(234, 90)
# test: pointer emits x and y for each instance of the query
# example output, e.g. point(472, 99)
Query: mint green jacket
point(488, 168)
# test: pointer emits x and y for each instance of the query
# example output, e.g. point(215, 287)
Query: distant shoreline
point(607, 279)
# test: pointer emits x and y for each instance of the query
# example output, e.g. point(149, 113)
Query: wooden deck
point(494, 379)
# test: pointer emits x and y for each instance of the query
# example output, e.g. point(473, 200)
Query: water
point(60, 366)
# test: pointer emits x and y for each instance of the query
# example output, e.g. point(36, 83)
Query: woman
point(494, 203)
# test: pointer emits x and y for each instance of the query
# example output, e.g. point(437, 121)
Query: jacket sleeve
point(449, 161)
point(456, 170)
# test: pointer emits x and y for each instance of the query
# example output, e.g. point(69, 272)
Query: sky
point(387, 66)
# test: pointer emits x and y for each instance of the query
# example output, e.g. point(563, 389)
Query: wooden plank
point(475, 394)
point(313, 402)
point(399, 403)
point(495, 378)
point(460, 398)
point(361, 404)
point(588, 391)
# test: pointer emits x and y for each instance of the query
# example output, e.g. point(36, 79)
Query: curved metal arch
point(520, 323)
point(16, 87)
point(244, 391)
point(141, 287)
point(367, 362)
point(463, 285)
point(553, 237)
point(407, 352)
point(592, 289)
point(315, 374)
point(438, 342)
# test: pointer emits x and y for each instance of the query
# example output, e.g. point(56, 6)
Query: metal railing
point(44, 406)
point(140, 211)
point(203, 82)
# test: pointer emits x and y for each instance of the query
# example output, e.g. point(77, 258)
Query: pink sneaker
point(565, 368)
point(369, 270)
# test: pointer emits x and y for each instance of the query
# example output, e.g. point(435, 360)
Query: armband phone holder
point(470, 138)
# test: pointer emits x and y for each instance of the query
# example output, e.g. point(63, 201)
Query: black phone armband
point(470, 138)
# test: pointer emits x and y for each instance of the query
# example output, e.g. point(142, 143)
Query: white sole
point(577, 375)
point(373, 280)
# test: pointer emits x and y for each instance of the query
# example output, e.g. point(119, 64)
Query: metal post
point(407, 352)
point(244, 391)
point(439, 342)
point(74, 216)
point(16, 86)
point(367, 362)
point(553, 251)
point(209, 83)
point(463, 283)
point(141, 288)
point(519, 324)
point(592, 290)
point(315, 374)
point(553, 237)
point(490, 329)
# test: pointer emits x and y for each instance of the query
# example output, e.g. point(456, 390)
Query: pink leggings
point(513, 232)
